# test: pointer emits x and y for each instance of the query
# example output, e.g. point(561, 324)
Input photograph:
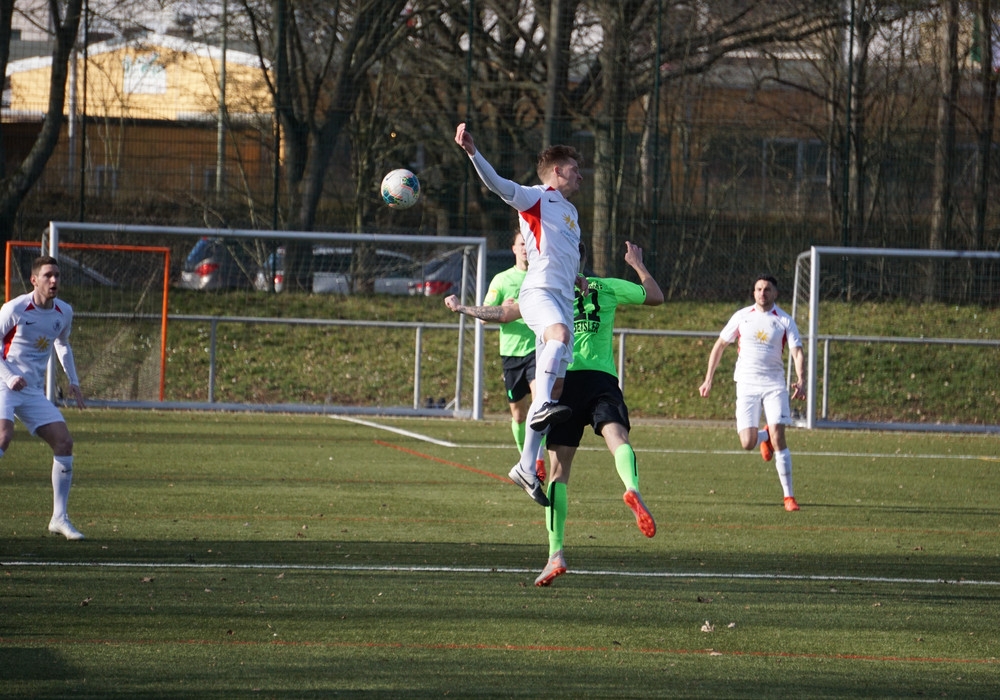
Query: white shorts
point(750, 400)
point(541, 308)
point(30, 406)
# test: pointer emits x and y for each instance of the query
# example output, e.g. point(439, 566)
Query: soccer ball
point(400, 189)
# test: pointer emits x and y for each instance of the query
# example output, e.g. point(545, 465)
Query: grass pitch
point(238, 555)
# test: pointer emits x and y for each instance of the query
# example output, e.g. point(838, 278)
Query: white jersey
point(549, 225)
point(29, 335)
point(762, 337)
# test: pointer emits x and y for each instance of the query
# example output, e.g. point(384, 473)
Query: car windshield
point(201, 250)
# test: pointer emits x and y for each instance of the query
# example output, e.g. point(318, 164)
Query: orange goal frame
point(121, 248)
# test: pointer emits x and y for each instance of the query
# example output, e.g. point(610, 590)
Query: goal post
point(833, 284)
point(119, 295)
point(242, 290)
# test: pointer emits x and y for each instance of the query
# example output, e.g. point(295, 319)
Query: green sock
point(518, 430)
point(555, 516)
point(625, 464)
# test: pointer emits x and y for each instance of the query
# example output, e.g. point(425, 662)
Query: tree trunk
point(557, 126)
point(609, 123)
point(944, 146)
point(988, 82)
point(15, 185)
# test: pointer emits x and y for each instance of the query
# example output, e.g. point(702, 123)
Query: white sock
point(546, 370)
point(783, 463)
point(62, 479)
point(762, 437)
point(532, 447)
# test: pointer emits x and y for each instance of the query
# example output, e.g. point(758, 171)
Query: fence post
point(211, 361)
point(418, 349)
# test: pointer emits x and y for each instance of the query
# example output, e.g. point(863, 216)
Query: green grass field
point(239, 555)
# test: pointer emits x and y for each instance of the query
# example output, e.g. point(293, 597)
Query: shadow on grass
point(463, 555)
point(34, 664)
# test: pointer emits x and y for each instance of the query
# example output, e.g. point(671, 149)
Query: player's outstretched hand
point(452, 302)
point(464, 139)
point(633, 254)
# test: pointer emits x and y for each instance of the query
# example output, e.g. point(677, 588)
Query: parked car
point(443, 275)
point(330, 271)
point(215, 263)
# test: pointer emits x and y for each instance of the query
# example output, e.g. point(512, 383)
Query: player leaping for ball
point(32, 325)
point(551, 231)
point(592, 390)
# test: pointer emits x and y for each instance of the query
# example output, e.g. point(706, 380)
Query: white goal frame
point(478, 244)
point(812, 337)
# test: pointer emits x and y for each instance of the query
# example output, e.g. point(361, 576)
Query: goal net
point(119, 296)
point(257, 318)
point(932, 364)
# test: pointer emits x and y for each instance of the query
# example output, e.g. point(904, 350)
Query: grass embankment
point(884, 381)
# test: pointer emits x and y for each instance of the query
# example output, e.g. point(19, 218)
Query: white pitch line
point(804, 453)
point(496, 570)
point(399, 431)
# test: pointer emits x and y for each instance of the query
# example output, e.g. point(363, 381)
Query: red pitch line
point(432, 458)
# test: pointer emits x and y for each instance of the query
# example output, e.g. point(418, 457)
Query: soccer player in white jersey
point(551, 231)
point(763, 330)
point(32, 325)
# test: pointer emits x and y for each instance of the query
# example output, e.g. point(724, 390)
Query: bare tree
point(64, 18)
point(324, 54)
point(986, 50)
point(944, 145)
point(693, 38)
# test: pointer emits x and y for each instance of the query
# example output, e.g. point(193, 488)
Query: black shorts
point(518, 373)
point(596, 399)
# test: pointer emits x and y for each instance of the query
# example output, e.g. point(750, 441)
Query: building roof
point(148, 41)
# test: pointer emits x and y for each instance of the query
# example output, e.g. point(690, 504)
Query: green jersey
point(594, 322)
point(516, 339)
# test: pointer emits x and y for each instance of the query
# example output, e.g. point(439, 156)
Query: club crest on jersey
point(42, 343)
point(568, 220)
point(762, 336)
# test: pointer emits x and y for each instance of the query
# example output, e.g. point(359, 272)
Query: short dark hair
point(41, 261)
point(766, 278)
point(557, 155)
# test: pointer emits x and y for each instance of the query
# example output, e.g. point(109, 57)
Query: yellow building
point(151, 110)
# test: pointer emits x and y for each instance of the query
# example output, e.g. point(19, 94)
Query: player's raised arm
point(633, 257)
point(464, 139)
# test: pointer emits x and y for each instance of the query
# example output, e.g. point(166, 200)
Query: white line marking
point(494, 570)
point(399, 431)
point(804, 453)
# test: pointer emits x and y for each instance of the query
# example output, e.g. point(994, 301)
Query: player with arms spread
point(32, 325)
point(763, 330)
point(550, 227)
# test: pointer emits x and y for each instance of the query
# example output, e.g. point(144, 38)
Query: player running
point(591, 390)
point(551, 231)
point(763, 331)
point(32, 325)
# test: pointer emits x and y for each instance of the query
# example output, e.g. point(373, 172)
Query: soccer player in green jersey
point(517, 346)
point(591, 389)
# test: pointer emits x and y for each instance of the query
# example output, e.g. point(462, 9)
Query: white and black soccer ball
point(400, 189)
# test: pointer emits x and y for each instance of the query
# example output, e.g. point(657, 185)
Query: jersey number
point(581, 307)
